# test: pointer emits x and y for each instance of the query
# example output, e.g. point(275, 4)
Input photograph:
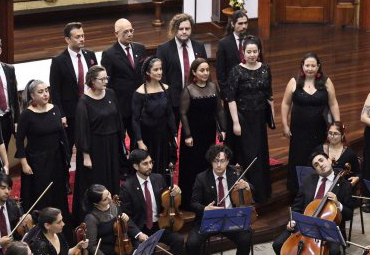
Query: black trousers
point(334, 248)
point(6, 128)
point(172, 239)
point(242, 239)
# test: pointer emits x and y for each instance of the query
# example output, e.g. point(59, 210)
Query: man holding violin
point(141, 200)
point(315, 186)
point(209, 188)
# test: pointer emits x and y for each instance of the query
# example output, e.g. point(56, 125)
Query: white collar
point(73, 53)
point(216, 176)
point(141, 180)
point(179, 44)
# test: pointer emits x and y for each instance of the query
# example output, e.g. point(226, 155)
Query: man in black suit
point(141, 200)
point(315, 186)
point(9, 106)
point(177, 55)
point(123, 61)
point(209, 188)
point(9, 212)
point(67, 77)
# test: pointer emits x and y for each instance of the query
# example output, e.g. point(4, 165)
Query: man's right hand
point(64, 122)
point(212, 207)
point(290, 226)
point(142, 237)
point(5, 240)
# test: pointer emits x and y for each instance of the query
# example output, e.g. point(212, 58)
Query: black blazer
point(124, 79)
point(133, 201)
point(227, 57)
point(307, 192)
point(205, 191)
point(14, 215)
point(63, 81)
point(12, 91)
point(172, 75)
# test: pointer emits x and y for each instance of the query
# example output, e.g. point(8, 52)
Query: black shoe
point(69, 190)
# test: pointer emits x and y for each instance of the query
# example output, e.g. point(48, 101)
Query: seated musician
point(141, 200)
point(102, 214)
point(18, 248)
point(9, 212)
point(210, 187)
point(315, 186)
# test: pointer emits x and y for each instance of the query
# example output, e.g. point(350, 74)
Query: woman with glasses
point(339, 153)
point(99, 139)
point(306, 97)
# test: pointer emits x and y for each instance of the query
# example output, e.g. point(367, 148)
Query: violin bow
point(29, 210)
point(241, 176)
point(164, 250)
point(357, 245)
point(97, 247)
point(367, 198)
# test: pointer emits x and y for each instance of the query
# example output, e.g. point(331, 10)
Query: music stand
point(226, 220)
point(147, 247)
point(317, 228)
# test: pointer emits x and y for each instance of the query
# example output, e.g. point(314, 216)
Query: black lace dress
point(199, 109)
point(42, 246)
point(250, 89)
point(153, 122)
point(308, 128)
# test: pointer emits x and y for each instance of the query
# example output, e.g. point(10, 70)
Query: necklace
point(199, 86)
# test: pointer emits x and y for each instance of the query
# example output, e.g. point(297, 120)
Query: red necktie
point(149, 209)
point(221, 193)
point(3, 104)
point(80, 82)
point(130, 57)
point(3, 228)
point(321, 191)
point(241, 53)
point(185, 57)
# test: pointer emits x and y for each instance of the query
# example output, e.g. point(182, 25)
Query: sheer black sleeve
point(170, 117)
point(269, 80)
point(232, 84)
point(82, 126)
point(138, 101)
point(221, 115)
point(22, 130)
point(184, 107)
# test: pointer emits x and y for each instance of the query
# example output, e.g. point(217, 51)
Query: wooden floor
point(345, 54)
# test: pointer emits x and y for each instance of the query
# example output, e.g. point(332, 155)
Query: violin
point(171, 217)
point(321, 208)
point(28, 223)
point(123, 244)
point(80, 235)
point(242, 197)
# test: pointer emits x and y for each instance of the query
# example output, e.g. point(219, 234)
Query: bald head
point(124, 31)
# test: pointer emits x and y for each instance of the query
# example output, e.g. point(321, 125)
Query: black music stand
point(226, 220)
point(317, 228)
point(147, 247)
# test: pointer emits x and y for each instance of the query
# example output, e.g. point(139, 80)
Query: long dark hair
point(93, 195)
point(233, 19)
point(320, 78)
point(193, 68)
point(251, 39)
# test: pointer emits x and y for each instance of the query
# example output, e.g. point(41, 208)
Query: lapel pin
point(92, 62)
point(137, 188)
point(135, 56)
point(212, 187)
point(53, 113)
point(109, 101)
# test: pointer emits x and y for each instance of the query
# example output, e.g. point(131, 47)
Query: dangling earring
point(147, 78)
point(93, 88)
point(33, 103)
point(318, 76)
point(301, 74)
point(195, 79)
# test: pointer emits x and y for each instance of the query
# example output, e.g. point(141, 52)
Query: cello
point(80, 235)
point(171, 217)
point(123, 244)
point(321, 208)
point(242, 197)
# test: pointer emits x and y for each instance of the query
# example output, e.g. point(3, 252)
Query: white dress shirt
point(329, 182)
point(236, 40)
point(191, 55)
point(150, 188)
point(5, 211)
point(74, 59)
point(224, 183)
point(5, 86)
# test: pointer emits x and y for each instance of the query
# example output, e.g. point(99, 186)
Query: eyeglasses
point(220, 161)
point(333, 133)
point(103, 79)
point(125, 32)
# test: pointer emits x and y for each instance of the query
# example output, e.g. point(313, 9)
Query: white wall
point(204, 9)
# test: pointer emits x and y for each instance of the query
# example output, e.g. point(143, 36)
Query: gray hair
point(28, 90)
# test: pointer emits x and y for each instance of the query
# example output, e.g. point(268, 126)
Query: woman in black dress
point(46, 157)
point(200, 108)
point(48, 237)
point(249, 95)
point(340, 153)
point(365, 118)
point(152, 117)
point(102, 214)
point(307, 96)
point(99, 139)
